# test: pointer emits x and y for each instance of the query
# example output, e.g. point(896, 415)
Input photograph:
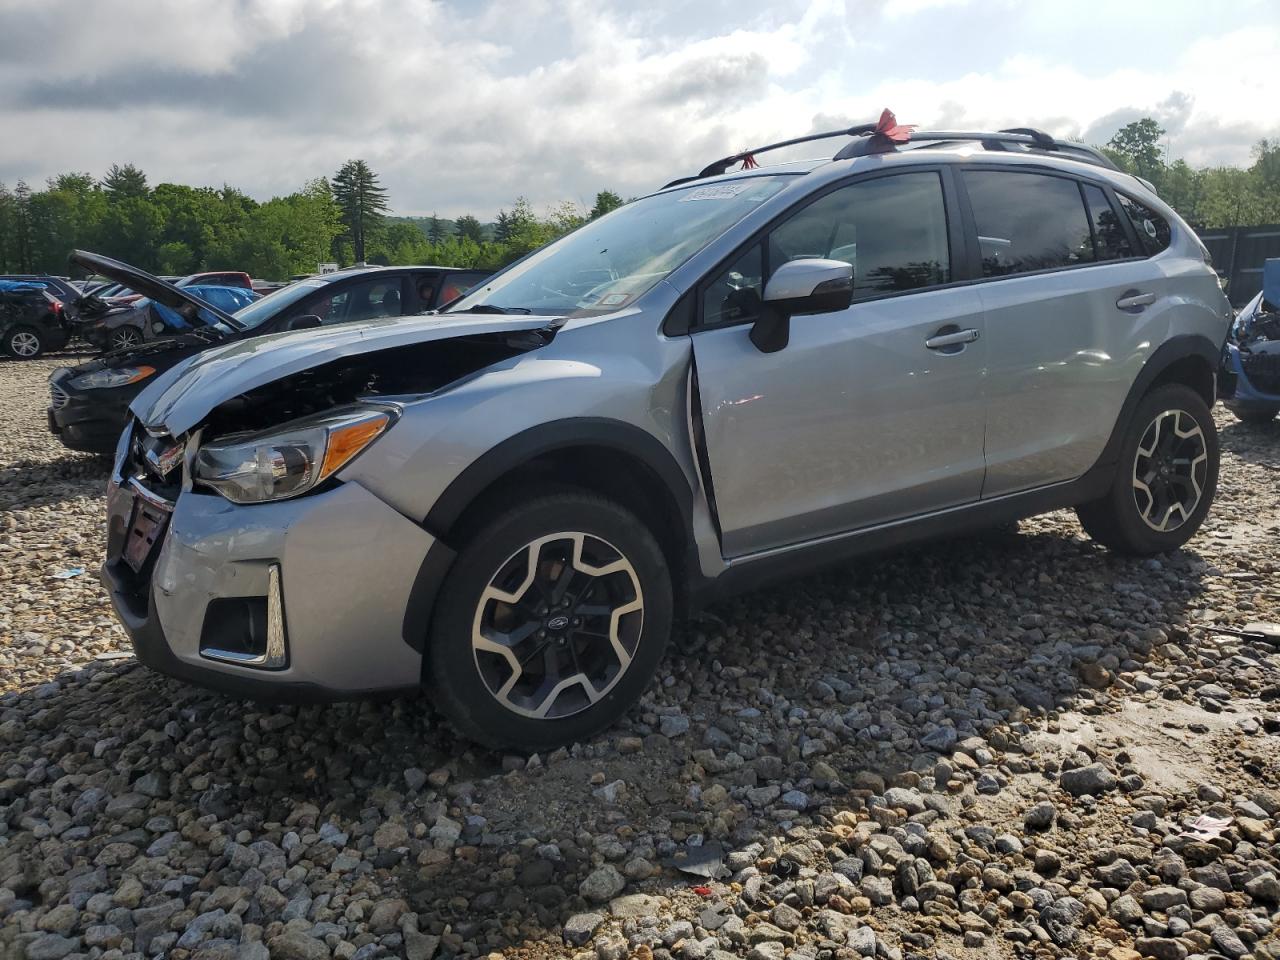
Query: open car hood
point(182, 396)
point(145, 285)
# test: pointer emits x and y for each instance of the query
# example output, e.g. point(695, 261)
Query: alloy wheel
point(24, 343)
point(1169, 470)
point(558, 625)
point(125, 337)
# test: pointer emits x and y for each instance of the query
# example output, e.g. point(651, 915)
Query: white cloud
point(462, 107)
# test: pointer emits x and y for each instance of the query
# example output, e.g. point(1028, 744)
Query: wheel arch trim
point(517, 451)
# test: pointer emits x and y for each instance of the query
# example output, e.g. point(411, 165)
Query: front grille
point(58, 398)
point(1263, 371)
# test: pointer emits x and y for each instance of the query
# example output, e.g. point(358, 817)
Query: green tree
point(1233, 198)
point(1136, 148)
point(122, 183)
point(467, 227)
point(362, 202)
point(502, 228)
point(606, 200)
point(435, 230)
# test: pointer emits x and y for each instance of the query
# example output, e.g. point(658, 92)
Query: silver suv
point(740, 377)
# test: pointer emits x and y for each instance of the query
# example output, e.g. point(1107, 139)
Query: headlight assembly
point(290, 459)
point(101, 379)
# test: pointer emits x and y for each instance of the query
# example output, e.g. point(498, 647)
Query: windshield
point(605, 265)
point(260, 311)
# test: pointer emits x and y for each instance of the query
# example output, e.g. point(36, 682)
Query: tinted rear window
point(1152, 229)
point(1109, 236)
point(1028, 221)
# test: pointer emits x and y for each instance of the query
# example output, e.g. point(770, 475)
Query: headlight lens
point(101, 379)
point(291, 459)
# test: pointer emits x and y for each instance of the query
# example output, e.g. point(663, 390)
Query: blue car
point(1249, 382)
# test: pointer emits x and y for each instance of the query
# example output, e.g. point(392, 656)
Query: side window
point(1109, 237)
point(892, 230)
point(1152, 229)
point(456, 284)
point(358, 301)
point(1027, 221)
point(734, 296)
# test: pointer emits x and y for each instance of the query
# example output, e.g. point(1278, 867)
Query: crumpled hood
point(182, 396)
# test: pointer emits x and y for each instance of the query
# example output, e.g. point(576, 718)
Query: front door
point(864, 417)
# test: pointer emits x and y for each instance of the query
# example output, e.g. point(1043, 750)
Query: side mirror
point(307, 321)
point(796, 288)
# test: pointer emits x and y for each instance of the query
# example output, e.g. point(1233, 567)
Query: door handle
point(955, 338)
point(1135, 300)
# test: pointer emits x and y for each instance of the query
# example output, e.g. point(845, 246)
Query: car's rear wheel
point(24, 343)
point(1166, 478)
point(1256, 416)
point(550, 624)
point(124, 337)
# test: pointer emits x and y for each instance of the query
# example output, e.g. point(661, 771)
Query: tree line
point(175, 229)
point(1207, 196)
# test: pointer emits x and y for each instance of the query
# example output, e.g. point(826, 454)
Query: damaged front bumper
point(1249, 381)
point(294, 600)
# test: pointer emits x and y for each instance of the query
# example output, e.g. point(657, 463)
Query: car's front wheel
point(24, 343)
point(1166, 479)
point(550, 624)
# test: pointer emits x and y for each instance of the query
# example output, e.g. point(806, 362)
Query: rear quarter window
point(1153, 230)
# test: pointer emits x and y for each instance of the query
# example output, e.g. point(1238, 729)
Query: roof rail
point(1026, 137)
point(865, 143)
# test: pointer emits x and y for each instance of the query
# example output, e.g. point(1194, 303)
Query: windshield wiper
point(492, 308)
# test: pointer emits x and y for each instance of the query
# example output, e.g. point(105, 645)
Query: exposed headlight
point(290, 459)
point(100, 379)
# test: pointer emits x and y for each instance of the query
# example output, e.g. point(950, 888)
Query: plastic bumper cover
point(347, 564)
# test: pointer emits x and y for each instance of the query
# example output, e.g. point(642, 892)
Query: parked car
point(59, 287)
point(1249, 384)
point(145, 319)
point(511, 501)
point(89, 402)
point(32, 319)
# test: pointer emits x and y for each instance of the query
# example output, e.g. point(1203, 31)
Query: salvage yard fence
point(1238, 254)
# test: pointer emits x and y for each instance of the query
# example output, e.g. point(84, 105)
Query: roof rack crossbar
point(723, 165)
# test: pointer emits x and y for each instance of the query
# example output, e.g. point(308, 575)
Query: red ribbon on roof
point(749, 162)
point(890, 128)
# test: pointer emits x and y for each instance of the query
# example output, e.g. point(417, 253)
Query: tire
point(476, 684)
point(1256, 416)
point(24, 342)
point(122, 338)
point(1166, 477)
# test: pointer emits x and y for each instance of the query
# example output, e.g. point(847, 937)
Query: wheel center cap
point(558, 623)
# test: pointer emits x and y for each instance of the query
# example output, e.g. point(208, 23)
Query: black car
point(89, 403)
point(32, 319)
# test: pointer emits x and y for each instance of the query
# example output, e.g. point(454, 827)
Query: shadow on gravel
point(799, 700)
point(1252, 441)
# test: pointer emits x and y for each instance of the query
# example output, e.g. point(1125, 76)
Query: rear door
point(1058, 263)
point(858, 420)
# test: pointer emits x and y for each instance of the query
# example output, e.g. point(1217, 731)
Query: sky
point(462, 105)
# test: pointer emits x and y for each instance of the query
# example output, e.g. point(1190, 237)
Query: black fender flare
point(1162, 358)
point(511, 454)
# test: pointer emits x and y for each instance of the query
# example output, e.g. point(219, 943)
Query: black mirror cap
point(829, 296)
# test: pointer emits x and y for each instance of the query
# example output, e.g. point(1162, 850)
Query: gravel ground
point(992, 747)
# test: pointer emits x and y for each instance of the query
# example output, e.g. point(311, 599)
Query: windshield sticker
point(720, 191)
point(614, 300)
